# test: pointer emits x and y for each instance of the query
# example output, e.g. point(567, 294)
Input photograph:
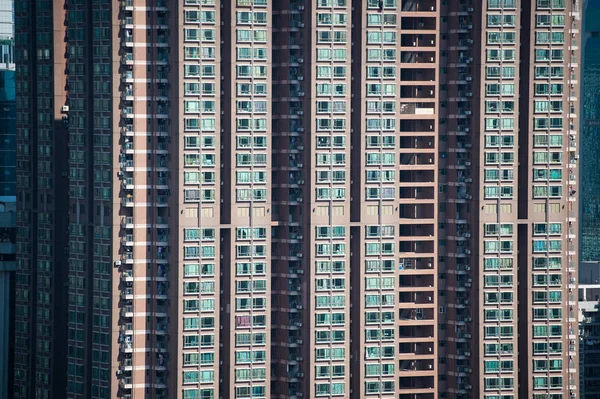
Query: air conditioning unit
point(117, 263)
point(65, 108)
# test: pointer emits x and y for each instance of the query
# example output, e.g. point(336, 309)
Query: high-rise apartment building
point(510, 164)
point(285, 199)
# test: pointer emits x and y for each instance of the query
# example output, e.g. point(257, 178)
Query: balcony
point(127, 201)
point(417, 109)
point(161, 328)
point(415, 298)
point(423, 126)
point(416, 159)
point(418, 23)
point(161, 290)
point(417, 211)
point(127, 256)
point(408, 283)
point(417, 57)
point(418, 177)
point(420, 384)
point(162, 253)
point(419, 5)
point(127, 112)
point(416, 365)
point(411, 231)
point(161, 272)
point(162, 76)
point(126, 342)
point(162, 200)
point(127, 38)
point(127, 5)
point(162, 111)
point(127, 240)
point(415, 40)
point(415, 333)
point(127, 364)
point(415, 349)
point(127, 311)
point(127, 147)
point(127, 59)
point(127, 275)
point(415, 264)
point(127, 22)
point(416, 193)
point(127, 130)
point(162, 220)
point(161, 311)
point(126, 382)
point(465, 24)
point(127, 183)
point(127, 222)
point(127, 76)
point(127, 93)
point(127, 292)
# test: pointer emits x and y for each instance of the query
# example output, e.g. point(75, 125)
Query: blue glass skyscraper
point(8, 148)
point(590, 136)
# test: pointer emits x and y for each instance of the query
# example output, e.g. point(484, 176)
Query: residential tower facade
point(273, 199)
